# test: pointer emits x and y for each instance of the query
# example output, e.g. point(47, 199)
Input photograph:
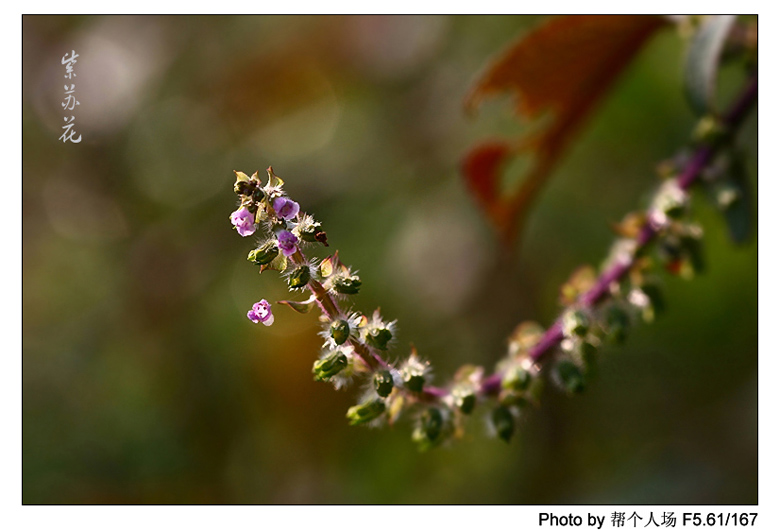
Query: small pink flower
point(287, 242)
point(286, 208)
point(261, 312)
point(244, 221)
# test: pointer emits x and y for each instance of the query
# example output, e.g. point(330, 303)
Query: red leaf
point(482, 169)
point(564, 68)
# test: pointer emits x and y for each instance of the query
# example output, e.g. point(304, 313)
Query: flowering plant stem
point(354, 344)
point(692, 170)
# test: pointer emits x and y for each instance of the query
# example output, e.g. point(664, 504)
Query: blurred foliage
point(143, 381)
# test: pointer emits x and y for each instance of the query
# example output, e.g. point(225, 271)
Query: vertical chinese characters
point(69, 103)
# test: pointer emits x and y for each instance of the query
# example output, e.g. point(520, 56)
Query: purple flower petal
point(244, 221)
point(261, 312)
point(287, 242)
point(286, 208)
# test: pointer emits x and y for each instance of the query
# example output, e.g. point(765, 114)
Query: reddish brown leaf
point(482, 170)
point(561, 68)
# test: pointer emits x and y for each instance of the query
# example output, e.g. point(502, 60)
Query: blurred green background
point(143, 380)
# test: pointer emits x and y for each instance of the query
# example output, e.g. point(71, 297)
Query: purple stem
point(703, 155)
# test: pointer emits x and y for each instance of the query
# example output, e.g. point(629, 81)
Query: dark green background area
point(143, 380)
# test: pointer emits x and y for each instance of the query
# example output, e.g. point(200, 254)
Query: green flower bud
point(709, 130)
point(413, 373)
point(432, 422)
point(379, 337)
point(503, 422)
point(348, 285)
point(299, 277)
point(329, 366)
point(265, 254)
point(727, 194)
point(693, 251)
point(414, 382)
point(465, 401)
point(516, 379)
point(365, 412)
point(309, 231)
point(383, 383)
point(617, 324)
point(654, 293)
point(511, 397)
point(244, 187)
point(575, 323)
point(672, 204)
point(258, 194)
point(339, 330)
point(570, 376)
point(587, 353)
point(432, 428)
point(670, 249)
point(666, 169)
point(587, 350)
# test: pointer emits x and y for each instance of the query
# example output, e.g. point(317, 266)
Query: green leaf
point(300, 307)
point(701, 65)
point(273, 180)
point(241, 176)
point(330, 265)
point(279, 263)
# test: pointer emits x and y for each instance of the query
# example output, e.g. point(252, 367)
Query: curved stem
point(690, 173)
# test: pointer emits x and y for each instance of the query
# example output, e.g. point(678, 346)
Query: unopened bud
point(264, 254)
point(617, 324)
point(503, 422)
point(299, 277)
point(671, 200)
point(575, 323)
point(432, 422)
point(465, 400)
point(432, 428)
point(379, 337)
point(693, 250)
point(339, 331)
point(709, 130)
point(517, 379)
point(655, 296)
point(727, 194)
point(347, 285)
point(510, 397)
point(587, 352)
point(383, 383)
point(258, 194)
point(413, 373)
point(329, 366)
point(309, 231)
point(414, 382)
point(365, 412)
point(244, 187)
point(570, 376)
point(666, 168)
point(670, 249)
